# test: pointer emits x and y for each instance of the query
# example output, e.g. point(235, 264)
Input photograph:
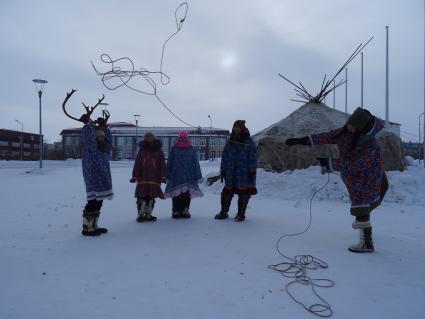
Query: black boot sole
point(361, 251)
point(221, 217)
point(90, 233)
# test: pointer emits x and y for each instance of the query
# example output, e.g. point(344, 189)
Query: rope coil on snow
point(298, 266)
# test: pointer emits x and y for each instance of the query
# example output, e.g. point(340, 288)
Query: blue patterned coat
point(238, 166)
point(96, 169)
point(183, 172)
point(361, 167)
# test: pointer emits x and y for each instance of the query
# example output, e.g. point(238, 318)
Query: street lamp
point(136, 119)
point(361, 81)
point(22, 138)
point(210, 123)
point(39, 86)
point(419, 143)
point(209, 139)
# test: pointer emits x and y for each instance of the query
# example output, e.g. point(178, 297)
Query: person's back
point(183, 174)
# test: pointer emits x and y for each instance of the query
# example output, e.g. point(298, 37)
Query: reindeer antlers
point(85, 118)
point(68, 95)
point(89, 110)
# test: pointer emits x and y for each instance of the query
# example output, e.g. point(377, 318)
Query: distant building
point(413, 149)
point(208, 142)
point(12, 143)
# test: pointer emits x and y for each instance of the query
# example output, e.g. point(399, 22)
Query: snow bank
point(406, 187)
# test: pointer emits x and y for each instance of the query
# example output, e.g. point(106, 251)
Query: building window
point(129, 140)
point(120, 140)
point(195, 141)
point(201, 155)
point(221, 142)
point(203, 141)
point(212, 155)
point(219, 154)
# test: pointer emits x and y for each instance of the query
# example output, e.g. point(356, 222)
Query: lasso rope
point(297, 267)
point(125, 76)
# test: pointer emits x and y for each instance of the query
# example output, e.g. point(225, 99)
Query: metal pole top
point(39, 85)
point(40, 81)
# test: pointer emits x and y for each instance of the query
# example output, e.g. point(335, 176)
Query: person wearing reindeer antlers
point(96, 141)
point(238, 168)
point(360, 165)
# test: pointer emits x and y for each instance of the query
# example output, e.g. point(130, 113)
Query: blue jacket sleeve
point(224, 157)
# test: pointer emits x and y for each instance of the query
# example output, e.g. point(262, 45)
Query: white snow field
point(202, 268)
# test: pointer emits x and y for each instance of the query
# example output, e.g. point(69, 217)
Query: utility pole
point(387, 101)
point(209, 139)
point(22, 139)
point(334, 95)
point(361, 83)
point(136, 119)
point(419, 142)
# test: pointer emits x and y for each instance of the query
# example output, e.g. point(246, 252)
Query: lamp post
point(39, 86)
point(209, 116)
point(22, 139)
point(419, 143)
point(136, 119)
point(209, 139)
point(387, 67)
point(361, 82)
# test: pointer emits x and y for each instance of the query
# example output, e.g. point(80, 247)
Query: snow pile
point(406, 187)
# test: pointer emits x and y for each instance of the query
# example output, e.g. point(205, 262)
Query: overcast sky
point(224, 62)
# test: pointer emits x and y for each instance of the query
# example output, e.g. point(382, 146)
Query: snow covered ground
point(202, 268)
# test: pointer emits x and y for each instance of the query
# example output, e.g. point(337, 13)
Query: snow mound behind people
point(406, 187)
